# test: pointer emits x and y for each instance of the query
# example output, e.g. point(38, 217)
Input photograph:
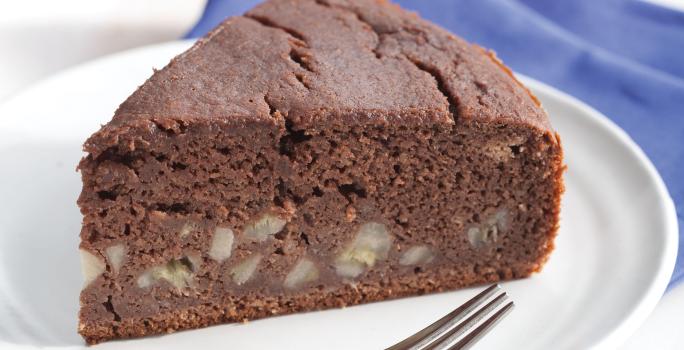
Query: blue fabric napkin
point(623, 57)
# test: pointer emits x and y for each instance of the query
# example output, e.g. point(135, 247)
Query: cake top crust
point(307, 60)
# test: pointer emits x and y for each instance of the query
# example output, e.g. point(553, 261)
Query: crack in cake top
point(306, 60)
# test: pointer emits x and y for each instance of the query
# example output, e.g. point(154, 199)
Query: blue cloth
point(623, 57)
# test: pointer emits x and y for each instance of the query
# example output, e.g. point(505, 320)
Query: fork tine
point(472, 338)
point(422, 337)
point(450, 336)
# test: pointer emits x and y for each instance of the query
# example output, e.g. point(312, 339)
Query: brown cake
point(312, 155)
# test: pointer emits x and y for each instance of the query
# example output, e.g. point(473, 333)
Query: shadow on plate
point(39, 226)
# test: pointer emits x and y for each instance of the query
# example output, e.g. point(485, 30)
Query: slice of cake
point(312, 155)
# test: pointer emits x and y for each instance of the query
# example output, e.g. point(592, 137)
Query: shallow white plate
point(614, 255)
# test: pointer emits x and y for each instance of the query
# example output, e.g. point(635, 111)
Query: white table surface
point(41, 37)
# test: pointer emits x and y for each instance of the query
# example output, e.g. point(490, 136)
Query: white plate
point(614, 255)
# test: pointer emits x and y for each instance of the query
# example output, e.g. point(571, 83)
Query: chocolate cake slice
point(312, 155)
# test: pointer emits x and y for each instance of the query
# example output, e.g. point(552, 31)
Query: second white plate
point(615, 251)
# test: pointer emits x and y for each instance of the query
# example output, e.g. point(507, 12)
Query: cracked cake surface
point(312, 154)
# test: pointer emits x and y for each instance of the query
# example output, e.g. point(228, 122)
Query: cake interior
point(211, 221)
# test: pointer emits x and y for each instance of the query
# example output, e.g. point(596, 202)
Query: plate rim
point(652, 295)
point(658, 283)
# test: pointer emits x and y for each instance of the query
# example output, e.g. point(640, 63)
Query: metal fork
point(449, 333)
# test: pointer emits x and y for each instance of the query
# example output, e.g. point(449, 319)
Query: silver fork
point(449, 333)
